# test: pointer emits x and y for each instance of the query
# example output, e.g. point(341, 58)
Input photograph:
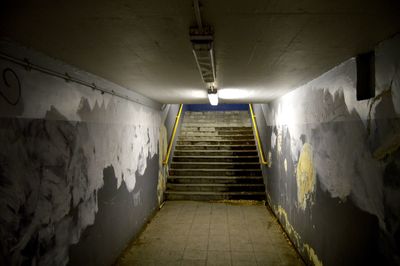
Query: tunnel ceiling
point(264, 48)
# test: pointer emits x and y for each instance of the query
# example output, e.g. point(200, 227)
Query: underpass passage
point(205, 233)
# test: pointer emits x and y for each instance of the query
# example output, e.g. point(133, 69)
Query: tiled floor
point(201, 233)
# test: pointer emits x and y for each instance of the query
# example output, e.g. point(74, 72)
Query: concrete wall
point(78, 169)
point(334, 178)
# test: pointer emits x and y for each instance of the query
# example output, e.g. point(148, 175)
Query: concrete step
point(219, 117)
point(215, 165)
point(216, 137)
point(215, 142)
point(213, 114)
point(202, 122)
point(217, 133)
point(219, 112)
point(215, 147)
point(213, 128)
point(215, 180)
point(214, 117)
point(209, 196)
point(216, 187)
point(239, 159)
point(216, 114)
point(215, 172)
point(219, 122)
point(223, 120)
point(212, 153)
point(212, 124)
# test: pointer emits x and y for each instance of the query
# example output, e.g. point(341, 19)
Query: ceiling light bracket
point(213, 95)
point(201, 37)
point(202, 43)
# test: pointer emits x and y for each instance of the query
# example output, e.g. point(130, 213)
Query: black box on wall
point(365, 76)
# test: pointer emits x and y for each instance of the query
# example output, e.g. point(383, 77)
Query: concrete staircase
point(215, 158)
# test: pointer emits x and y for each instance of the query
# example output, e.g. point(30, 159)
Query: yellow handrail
point(253, 118)
point(171, 140)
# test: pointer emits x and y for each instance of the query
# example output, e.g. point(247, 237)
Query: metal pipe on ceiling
point(196, 6)
point(28, 66)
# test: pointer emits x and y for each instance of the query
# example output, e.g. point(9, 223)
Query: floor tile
point(186, 262)
point(219, 243)
point(202, 233)
point(195, 254)
point(218, 258)
point(197, 242)
point(243, 258)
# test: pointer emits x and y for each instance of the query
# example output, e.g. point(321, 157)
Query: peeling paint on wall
point(328, 145)
point(305, 176)
point(269, 159)
point(128, 143)
point(279, 140)
point(55, 146)
point(273, 140)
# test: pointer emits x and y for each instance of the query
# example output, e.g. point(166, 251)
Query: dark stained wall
point(334, 173)
point(78, 169)
point(121, 216)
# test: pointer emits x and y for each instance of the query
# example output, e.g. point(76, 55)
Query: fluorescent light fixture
point(233, 94)
point(202, 43)
point(213, 96)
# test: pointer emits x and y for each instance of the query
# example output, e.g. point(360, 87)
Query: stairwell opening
point(215, 156)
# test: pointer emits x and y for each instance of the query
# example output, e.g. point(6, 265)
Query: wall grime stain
point(118, 217)
point(388, 148)
point(312, 255)
point(305, 176)
point(281, 212)
point(295, 237)
point(162, 172)
point(285, 165)
point(374, 101)
point(137, 200)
